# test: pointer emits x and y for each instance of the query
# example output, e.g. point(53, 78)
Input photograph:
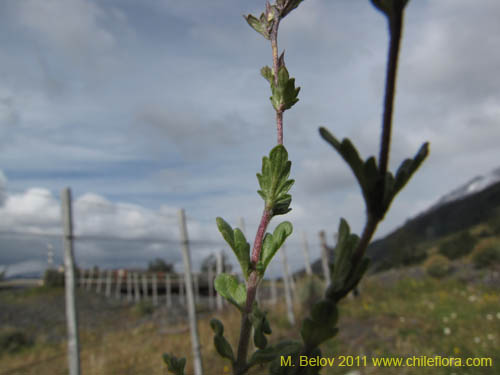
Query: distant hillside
point(402, 245)
point(409, 243)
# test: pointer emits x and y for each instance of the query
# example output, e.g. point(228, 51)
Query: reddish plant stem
point(259, 237)
point(274, 45)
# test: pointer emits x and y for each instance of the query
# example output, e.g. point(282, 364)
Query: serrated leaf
point(232, 290)
point(236, 240)
point(272, 242)
point(284, 93)
point(274, 182)
point(174, 365)
point(257, 25)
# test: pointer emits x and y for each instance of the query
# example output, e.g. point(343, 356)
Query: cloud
point(71, 25)
point(3, 185)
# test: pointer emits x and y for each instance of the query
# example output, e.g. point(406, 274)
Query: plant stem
point(274, 46)
point(368, 232)
point(395, 25)
point(246, 326)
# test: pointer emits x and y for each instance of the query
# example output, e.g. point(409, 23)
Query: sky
point(146, 107)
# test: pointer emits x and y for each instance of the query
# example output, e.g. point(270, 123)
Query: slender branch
point(257, 244)
point(364, 241)
point(395, 26)
point(274, 46)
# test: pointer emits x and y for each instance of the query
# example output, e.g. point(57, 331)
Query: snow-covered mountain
point(475, 185)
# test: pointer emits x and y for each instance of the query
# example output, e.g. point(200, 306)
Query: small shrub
point(486, 256)
point(13, 340)
point(53, 279)
point(437, 266)
point(143, 308)
point(458, 246)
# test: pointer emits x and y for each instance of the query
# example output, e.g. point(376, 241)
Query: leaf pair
point(265, 23)
point(378, 191)
point(274, 182)
point(343, 277)
point(261, 327)
point(174, 365)
point(321, 325)
point(221, 344)
point(236, 240)
point(231, 289)
point(284, 93)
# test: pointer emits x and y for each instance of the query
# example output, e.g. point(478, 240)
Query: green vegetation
point(458, 246)
point(12, 340)
point(486, 256)
point(422, 316)
point(437, 266)
point(53, 279)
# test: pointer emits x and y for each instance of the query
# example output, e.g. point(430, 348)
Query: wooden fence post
point(118, 285)
point(145, 286)
point(325, 259)
point(90, 278)
point(69, 278)
point(306, 254)
point(154, 283)
point(129, 286)
point(168, 286)
point(108, 284)
point(196, 288)
point(219, 271)
point(210, 279)
point(99, 281)
point(180, 283)
point(195, 343)
point(288, 293)
point(137, 293)
point(274, 293)
point(82, 278)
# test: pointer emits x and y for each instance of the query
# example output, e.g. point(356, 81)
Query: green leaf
point(349, 153)
point(274, 182)
point(271, 353)
point(320, 326)
point(289, 6)
point(174, 365)
point(284, 93)
point(267, 73)
point(409, 166)
point(261, 327)
point(221, 344)
point(229, 288)
point(238, 243)
point(344, 249)
point(272, 242)
point(258, 25)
